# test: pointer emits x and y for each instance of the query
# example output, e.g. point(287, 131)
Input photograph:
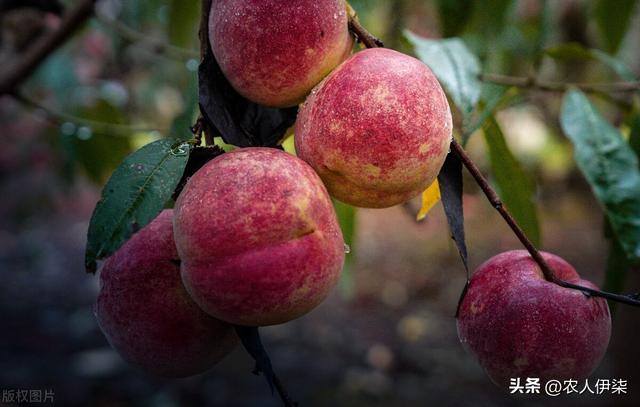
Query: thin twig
point(551, 86)
point(282, 392)
point(59, 118)
point(156, 45)
point(197, 130)
point(547, 271)
point(361, 33)
point(14, 75)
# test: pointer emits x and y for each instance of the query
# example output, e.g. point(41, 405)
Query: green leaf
point(134, 195)
point(183, 22)
point(454, 65)
point(573, 51)
point(515, 187)
point(609, 165)
point(347, 219)
point(612, 19)
point(492, 95)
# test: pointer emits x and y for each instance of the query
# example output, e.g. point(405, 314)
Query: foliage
point(610, 166)
point(135, 194)
point(515, 186)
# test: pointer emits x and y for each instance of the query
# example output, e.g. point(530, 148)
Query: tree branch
point(361, 33)
point(547, 271)
point(550, 86)
point(17, 73)
point(494, 199)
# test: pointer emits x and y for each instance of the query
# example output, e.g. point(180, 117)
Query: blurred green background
point(387, 336)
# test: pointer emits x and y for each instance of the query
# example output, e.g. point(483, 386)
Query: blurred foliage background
point(387, 337)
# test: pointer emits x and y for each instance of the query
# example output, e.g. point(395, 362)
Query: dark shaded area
point(51, 6)
point(198, 157)
point(237, 120)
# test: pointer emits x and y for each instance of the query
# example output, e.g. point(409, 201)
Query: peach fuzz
point(274, 52)
point(147, 315)
point(258, 237)
point(377, 129)
point(517, 324)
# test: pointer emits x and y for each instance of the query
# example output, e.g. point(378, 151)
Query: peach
point(377, 129)
point(274, 52)
point(517, 324)
point(147, 315)
point(258, 237)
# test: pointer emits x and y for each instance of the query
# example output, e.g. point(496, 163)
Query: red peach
point(377, 129)
point(517, 324)
point(274, 52)
point(147, 315)
point(258, 237)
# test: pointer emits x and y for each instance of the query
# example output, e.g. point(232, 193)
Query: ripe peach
point(517, 324)
point(258, 237)
point(274, 52)
point(377, 129)
point(147, 315)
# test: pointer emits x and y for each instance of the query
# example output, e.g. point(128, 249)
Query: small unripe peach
point(258, 237)
point(377, 129)
point(148, 316)
point(518, 325)
point(274, 52)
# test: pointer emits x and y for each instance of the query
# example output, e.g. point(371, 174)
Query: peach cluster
point(254, 239)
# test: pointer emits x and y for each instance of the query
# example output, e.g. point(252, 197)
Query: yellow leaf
point(430, 197)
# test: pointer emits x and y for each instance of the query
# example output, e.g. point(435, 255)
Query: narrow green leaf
point(134, 195)
point(183, 22)
point(612, 19)
point(609, 165)
point(492, 95)
point(573, 51)
point(515, 186)
point(347, 219)
point(454, 65)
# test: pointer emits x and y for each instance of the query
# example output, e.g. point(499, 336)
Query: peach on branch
point(258, 237)
point(274, 52)
point(517, 324)
point(377, 129)
point(148, 316)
